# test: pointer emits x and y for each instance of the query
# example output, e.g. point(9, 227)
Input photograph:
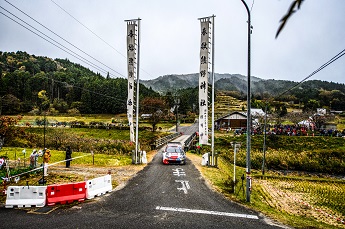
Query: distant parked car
point(174, 154)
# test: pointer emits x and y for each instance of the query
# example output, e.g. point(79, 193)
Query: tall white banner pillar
point(133, 54)
point(206, 51)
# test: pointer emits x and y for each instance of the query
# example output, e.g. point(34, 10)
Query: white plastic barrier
point(144, 158)
point(26, 196)
point(98, 186)
point(204, 160)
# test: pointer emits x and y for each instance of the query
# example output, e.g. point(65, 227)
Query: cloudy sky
point(170, 35)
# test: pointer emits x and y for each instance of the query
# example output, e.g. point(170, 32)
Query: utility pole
point(264, 147)
point(177, 103)
point(236, 146)
point(249, 119)
point(137, 146)
point(44, 129)
point(212, 51)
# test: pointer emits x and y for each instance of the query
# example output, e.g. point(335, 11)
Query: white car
point(174, 154)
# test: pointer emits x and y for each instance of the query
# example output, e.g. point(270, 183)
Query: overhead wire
point(88, 28)
point(124, 101)
point(251, 8)
point(82, 58)
point(107, 43)
point(74, 86)
point(336, 57)
point(63, 48)
point(60, 38)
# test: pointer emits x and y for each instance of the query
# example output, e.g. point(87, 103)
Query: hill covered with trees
point(67, 87)
point(310, 94)
point(72, 88)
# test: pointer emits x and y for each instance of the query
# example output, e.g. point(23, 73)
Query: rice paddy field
point(294, 199)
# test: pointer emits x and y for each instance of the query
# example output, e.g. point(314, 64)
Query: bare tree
point(296, 117)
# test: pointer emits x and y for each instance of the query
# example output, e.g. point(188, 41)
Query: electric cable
point(84, 89)
point(88, 29)
point(336, 57)
point(62, 38)
point(73, 86)
point(76, 56)
point(85, 60)
point(251, 8)
point(95, 34)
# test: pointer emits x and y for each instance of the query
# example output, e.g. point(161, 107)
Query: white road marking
point(207, 212)
point(185, 185)
point(179, 172)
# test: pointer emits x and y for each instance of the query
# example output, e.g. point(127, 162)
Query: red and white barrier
point(66, 193)
point(26, 196)
point(40, 196)
point(98, 186)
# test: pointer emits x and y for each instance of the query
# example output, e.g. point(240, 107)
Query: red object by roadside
point(66, 193)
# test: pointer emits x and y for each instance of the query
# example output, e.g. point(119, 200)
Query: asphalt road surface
point(160, 196)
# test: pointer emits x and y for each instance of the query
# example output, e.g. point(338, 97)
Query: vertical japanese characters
point(203, 80)
point(131, 60)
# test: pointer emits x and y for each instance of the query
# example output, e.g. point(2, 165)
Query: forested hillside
point(72, 88)
point(309, 94)
point(69, 87)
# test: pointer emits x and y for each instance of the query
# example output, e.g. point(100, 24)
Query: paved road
point(160, 196)
point(189, 130)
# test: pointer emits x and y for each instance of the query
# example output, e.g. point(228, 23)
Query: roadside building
point(235, 120)
point(238, 120)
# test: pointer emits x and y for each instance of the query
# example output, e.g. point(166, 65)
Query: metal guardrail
point(189, 141)
point(161, 141)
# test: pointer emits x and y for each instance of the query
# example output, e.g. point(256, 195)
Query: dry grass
point(294, 203)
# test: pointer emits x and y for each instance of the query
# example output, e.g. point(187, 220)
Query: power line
point(124, 101)
point(88, 29)
point(251, 8)
point(94, 92)
point(336, 57)
point(84, 60)
point(76, 55)
point(94, 33)
point(74, 86)
point(60, 37)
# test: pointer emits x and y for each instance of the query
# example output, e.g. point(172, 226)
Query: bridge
point(185, 136)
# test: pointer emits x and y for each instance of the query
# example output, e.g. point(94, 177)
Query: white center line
point(207, 212)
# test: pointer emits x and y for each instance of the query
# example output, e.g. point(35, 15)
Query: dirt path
point(119, 174)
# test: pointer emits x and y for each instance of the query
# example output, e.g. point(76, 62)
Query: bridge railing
point(161, 141)
point(189, 141)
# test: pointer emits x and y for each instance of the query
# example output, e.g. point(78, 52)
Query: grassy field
point(82, 159)
point(85, 118)
point(104, 118)
point(83, 166)
point(298, 201)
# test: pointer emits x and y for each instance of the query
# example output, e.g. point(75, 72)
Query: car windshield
point(174, 150)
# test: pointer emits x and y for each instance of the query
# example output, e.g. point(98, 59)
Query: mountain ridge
point(182, 81)
point(236, 82)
